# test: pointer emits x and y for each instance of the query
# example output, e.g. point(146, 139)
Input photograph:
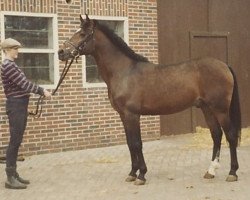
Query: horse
point(138, 87)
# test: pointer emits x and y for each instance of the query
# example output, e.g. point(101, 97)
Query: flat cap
point(10, 43)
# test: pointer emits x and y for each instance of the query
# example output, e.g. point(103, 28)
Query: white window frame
point(29, 50)
point(126, 39)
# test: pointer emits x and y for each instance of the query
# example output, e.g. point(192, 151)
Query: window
point(90, 71)
point(38, 35)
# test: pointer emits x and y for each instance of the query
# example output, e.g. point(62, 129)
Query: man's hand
point(46, 93)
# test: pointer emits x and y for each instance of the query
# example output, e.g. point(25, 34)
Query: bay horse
point(138, 87)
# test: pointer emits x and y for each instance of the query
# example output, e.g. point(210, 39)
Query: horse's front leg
point(131, 124)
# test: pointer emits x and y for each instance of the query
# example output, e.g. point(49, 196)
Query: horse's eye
point(82, 33)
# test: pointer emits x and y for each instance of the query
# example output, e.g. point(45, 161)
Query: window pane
point(92, 71)
point(38, 67)
point(92, 75)
point(32, 32)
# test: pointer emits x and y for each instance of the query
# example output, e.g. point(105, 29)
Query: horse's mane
point(119, 42)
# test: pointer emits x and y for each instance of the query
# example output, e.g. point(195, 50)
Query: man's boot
point(21, 180)
point(12, 182)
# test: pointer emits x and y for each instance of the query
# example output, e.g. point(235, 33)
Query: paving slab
point(175, 172)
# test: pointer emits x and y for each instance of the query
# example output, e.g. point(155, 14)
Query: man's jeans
point(17, 111)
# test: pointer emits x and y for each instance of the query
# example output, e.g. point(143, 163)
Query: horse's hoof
point(130, 178)
point(140, 182)
point(208, 176)
point(232, 178)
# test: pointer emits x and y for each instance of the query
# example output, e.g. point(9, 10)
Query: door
point(195, 28)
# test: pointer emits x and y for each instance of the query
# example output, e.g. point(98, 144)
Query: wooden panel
point(204, 44)
point(233, 16)
point(175, 124)
point(219, 28)
point(175, 20)
point(210, 44)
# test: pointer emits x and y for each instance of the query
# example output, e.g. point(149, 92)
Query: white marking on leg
point(213, 166)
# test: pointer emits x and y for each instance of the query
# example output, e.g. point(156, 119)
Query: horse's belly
point(164, 109)
point(162, 97)
point(161, 106)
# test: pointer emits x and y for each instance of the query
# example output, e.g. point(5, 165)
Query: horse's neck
point(110, 60)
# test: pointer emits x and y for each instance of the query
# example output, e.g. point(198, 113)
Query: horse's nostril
point(61, 54)
point(60, 51)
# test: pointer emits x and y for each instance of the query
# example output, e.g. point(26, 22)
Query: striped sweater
point(15, 83)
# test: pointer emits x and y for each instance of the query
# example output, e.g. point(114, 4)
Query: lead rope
point(39, 103)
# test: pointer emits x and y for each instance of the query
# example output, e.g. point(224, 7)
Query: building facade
point(79, 116)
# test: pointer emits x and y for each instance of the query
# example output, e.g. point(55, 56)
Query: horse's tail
point(235, 112)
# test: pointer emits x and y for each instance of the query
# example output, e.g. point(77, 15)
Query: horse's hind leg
point(232, 138)
point(216, 134)
point(131, 124)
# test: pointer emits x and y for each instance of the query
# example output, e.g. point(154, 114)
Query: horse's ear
point(85, 21)
point(81, 19)
point(87, 17)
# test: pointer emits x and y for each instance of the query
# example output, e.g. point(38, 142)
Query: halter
point(76, 53)
point(78, 50)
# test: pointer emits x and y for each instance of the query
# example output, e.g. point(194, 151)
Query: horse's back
point(156, 89)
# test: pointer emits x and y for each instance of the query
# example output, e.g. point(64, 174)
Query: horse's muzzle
point(64, 54)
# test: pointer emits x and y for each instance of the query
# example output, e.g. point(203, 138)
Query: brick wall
point(80, 117)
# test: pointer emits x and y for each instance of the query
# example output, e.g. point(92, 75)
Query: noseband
point(79, 49)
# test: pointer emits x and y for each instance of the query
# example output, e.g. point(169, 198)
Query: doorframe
point(204, 34)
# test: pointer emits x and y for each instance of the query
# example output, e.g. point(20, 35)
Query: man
point(17, 89)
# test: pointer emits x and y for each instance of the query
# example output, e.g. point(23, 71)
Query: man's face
point(12, 52)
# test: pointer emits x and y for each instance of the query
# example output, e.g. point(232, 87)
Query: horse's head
point(81, 43)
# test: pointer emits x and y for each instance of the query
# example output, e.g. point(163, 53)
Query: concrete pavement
point(175, 172)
